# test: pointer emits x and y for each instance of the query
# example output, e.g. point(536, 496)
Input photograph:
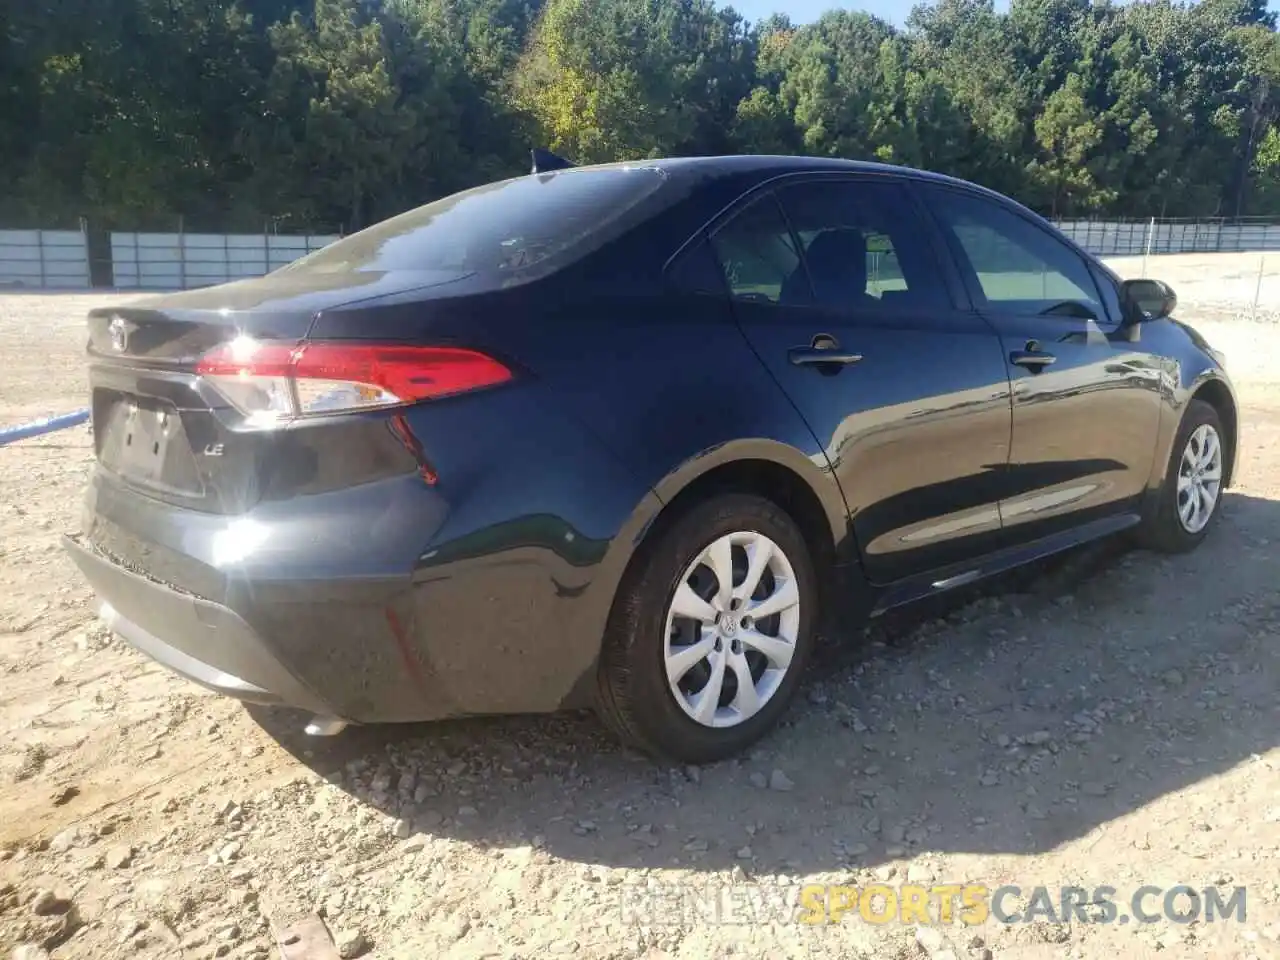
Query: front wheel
point(1191, 497)
point(710, 633)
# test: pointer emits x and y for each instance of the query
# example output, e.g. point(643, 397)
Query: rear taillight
point(272, 382)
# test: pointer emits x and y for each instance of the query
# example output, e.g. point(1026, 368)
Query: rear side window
point(696, 270)
point(510, 227)
point(864, 246)
point(758, 256)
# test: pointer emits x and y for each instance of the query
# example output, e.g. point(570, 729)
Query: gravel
point(1106, 718)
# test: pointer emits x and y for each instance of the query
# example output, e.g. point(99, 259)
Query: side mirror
point(1154, 298)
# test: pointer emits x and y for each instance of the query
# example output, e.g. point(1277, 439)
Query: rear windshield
point(512, 226)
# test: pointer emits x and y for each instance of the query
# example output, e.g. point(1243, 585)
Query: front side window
point(1018, 266)
point(1110, 295)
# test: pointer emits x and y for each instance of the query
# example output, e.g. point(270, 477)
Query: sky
point(806, 11)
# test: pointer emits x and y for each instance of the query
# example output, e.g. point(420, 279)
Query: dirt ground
point(1110, 718)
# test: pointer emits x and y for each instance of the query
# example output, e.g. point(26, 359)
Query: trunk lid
point(158, 428)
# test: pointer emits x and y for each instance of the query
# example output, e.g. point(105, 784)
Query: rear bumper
point(396, 600)
point(205, 642)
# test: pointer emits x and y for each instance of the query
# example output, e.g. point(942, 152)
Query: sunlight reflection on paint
point(240, 539)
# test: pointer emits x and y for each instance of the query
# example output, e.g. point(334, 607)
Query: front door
point(839, 288)
point(1086, 403)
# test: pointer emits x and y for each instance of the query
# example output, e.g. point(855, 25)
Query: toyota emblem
point(119, 333)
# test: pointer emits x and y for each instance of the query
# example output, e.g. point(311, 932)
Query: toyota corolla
point(623, 437)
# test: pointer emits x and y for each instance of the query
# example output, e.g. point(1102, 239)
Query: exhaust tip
point(325, 727)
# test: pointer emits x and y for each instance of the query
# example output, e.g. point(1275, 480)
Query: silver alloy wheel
point(1199, 478)
point(731, 629)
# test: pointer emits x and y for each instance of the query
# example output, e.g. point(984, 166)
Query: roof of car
point(781, 165)
point(747, 163)
point(768, 166)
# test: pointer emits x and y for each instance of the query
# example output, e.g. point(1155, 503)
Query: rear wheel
point(1191, 497)
point(710, 634)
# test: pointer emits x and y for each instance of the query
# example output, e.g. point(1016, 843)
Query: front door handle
point(823, 349)
point(1032, 360)
point(808, 356)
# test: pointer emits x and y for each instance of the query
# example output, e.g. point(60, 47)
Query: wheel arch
point(776, 471)
point(1206, 384)
point(807, 490)
point(1218, 395)
point(766, 478)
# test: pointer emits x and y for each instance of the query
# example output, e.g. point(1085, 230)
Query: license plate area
point(145, 442)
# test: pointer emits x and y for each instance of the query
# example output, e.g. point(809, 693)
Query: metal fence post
point(1257, 287)
point(40, 254)
point(1151, 229)
point(182, 252)
point(88, 253)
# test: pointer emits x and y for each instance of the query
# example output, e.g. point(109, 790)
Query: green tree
point(324, 113)
point(1068, 133)
point(331, 134)
point(614, 79)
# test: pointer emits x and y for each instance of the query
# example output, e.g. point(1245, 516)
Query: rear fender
point(639, 528)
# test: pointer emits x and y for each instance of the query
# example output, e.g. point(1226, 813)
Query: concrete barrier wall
point(53, 259)
point(177, 261)
point(44, 259)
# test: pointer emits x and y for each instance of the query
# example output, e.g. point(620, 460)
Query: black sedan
point(617, 436)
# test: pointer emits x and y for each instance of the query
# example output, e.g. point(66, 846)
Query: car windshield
point(506, 227)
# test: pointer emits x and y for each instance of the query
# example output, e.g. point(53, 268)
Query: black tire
point(634, 698)
point(1162, 529)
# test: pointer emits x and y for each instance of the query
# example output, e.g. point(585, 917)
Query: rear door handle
point(811, 356)
point(1032, 360)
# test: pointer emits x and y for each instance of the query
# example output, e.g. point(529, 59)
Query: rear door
point(1086, 402)
point(839, 288)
